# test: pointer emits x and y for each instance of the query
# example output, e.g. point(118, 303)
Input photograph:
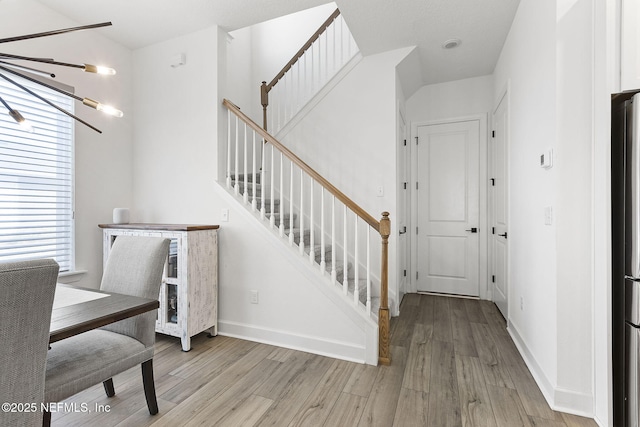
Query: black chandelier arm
point(42, 60)
point(31, 79)
point(46, 101)
point(54, 32)
point(33, 70)
point(5, 104)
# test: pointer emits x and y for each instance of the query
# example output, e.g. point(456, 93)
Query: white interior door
point(498, 204)
point(403, 208)
point(448, 207)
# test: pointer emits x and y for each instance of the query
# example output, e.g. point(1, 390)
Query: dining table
point(77, 310)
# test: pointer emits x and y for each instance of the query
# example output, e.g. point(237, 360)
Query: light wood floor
point(453, 365)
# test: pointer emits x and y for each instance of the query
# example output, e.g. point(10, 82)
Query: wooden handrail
point(303, 49)
point(266, 88)
point(302, 165)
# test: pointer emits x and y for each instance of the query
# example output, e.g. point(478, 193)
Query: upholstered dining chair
point(26, 299)
point(134, 267)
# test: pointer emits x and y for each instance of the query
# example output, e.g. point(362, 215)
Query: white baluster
point(229, 149)
point(336, 66)
point(272, 218)
point(262, 178)
point(301, 231)
point(235, 172)
point(326, 57)
point(356, 275)
point(254, 176)
point(291, 233)
point(333, 239)
point(312, 249)
point(281, 210)
point(345, 253)
point(368, 269)
point(244, 174)
point(323, 261)
point(341, 42)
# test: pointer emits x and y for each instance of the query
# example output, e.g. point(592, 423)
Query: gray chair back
point(135, 267)
point(26, 299)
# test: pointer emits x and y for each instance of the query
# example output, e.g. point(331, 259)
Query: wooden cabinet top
point(162, 227)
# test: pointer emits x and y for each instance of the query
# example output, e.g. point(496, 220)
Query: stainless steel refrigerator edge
point(625, 169)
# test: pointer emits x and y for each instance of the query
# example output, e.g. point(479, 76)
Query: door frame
point(502, 97)
point(403, 163)
point(483, 224)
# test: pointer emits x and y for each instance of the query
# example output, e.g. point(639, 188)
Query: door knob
point(472, 229)
point(503, 235)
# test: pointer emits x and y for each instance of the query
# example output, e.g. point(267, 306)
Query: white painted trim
point(559, 399)
point(307, 343)
point(505, 95)
point(483, 218)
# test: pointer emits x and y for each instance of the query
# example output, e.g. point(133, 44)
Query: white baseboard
point(286, 339)
point(559, 399)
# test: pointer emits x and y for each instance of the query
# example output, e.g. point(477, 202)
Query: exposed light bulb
point(99, 69)
point(107, 109)
point(21, 120)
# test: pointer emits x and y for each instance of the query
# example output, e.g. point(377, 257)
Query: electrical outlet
point(254, 297)
point(521, 303)
point(224, 215)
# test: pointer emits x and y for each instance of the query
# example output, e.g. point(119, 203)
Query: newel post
point(264, 100)
point(384, 354)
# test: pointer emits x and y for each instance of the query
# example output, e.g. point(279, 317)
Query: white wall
point(574, 198)
point(179, 122)
point(103, 167)
point(527, 69)
point(452, 99)
point(546, 65)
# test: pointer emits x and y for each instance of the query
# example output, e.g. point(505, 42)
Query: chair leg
point(149, 386)
point(108, 387)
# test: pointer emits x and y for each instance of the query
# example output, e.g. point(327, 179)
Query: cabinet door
point(630, 45)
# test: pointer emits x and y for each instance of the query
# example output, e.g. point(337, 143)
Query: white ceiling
point(377, 25)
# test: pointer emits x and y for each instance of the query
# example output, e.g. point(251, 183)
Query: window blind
point(36, 178)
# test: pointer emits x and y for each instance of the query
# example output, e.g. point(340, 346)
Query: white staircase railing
point(329, 49)
point(329, 229)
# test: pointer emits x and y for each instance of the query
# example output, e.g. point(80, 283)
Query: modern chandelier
point(11, 66)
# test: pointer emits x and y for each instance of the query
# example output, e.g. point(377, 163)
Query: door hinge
point(493, 182)
point(405, 185)
point(493, 230)
point(416, 230)
point(416, 185)
point(405, 142)
point(416, 275)
point(416, 140)
point(493, 134)
point(405, 273)
point(493, 279)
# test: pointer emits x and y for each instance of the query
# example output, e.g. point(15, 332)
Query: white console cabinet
point(189, 291)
